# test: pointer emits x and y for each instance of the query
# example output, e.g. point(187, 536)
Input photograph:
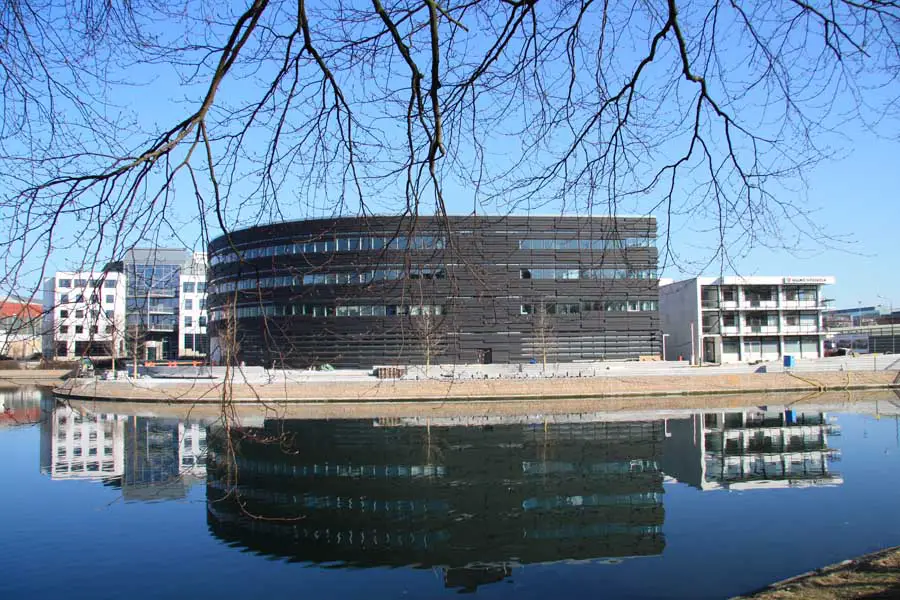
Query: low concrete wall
point(479, 412)
point(393, 390)
point(34, 376)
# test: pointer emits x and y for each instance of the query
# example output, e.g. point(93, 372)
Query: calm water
point(708, 504)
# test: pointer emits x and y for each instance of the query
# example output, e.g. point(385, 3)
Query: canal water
point(704, 504)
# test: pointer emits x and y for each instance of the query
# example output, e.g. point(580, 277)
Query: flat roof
point(762, 280)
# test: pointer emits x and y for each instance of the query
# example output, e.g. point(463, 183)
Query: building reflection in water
point(472, 497)
point(756, 449)
point(20, 406)
point(148, 458)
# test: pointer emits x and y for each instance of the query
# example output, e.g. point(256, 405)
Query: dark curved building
point(358, 292)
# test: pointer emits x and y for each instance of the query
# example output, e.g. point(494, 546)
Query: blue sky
point(857, 196)
point(852, 197)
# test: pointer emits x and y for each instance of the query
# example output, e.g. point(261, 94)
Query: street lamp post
point(893, 339)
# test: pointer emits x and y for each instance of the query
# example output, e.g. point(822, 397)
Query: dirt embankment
point(872, 576)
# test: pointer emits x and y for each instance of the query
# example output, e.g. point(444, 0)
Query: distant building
point(20, 325)
point(741, 319)
point(84, 315)
point(193, 316)
point(860, 316)
point(149, 306)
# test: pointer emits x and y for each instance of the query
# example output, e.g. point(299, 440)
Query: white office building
point(84, 314)
point(193, 341)
point(150, 306)
point(742, 319)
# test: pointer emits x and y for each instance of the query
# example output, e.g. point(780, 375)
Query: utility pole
point(891, 317)
point(693, 342)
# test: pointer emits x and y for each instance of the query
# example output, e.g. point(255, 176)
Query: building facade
point(743, 319)
point(389, 290)
point(149, 306)
point(193, 341)
point(20, 327)
point(84, 314)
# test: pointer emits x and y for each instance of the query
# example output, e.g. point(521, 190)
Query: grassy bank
point(874, 575)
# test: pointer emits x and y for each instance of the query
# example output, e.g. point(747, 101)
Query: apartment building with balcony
point(743, 319)
point(166, 303)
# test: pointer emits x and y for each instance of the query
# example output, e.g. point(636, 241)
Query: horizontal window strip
point(587, 244)
point(330, 246)
point(333, 278)
point(330, 310)
point(375, 275)
point(563, 273)
point(571, 308)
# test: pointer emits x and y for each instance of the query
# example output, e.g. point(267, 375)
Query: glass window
point(79, 298)
point(63, 314)
point(188, 304)
point(187, 287)
point(109, 283)
point(80, 282)
point(109, 299)
point(79, 314)
point(64, 329)
point(65, 283)
point(201, 287)
point(188, 321)
point(202, 321)
point(202, 304)
point(63, 298)
point(79, 329)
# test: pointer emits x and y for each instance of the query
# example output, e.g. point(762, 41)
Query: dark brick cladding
point(474, 274)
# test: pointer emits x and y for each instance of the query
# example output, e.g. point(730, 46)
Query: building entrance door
point(485, 356)
point(709, 350)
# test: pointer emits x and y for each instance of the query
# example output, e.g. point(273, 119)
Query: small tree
point(428, 323)
point(543, 332)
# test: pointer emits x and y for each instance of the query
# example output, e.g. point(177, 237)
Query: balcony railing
point(800, 329)
point(761, 329)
